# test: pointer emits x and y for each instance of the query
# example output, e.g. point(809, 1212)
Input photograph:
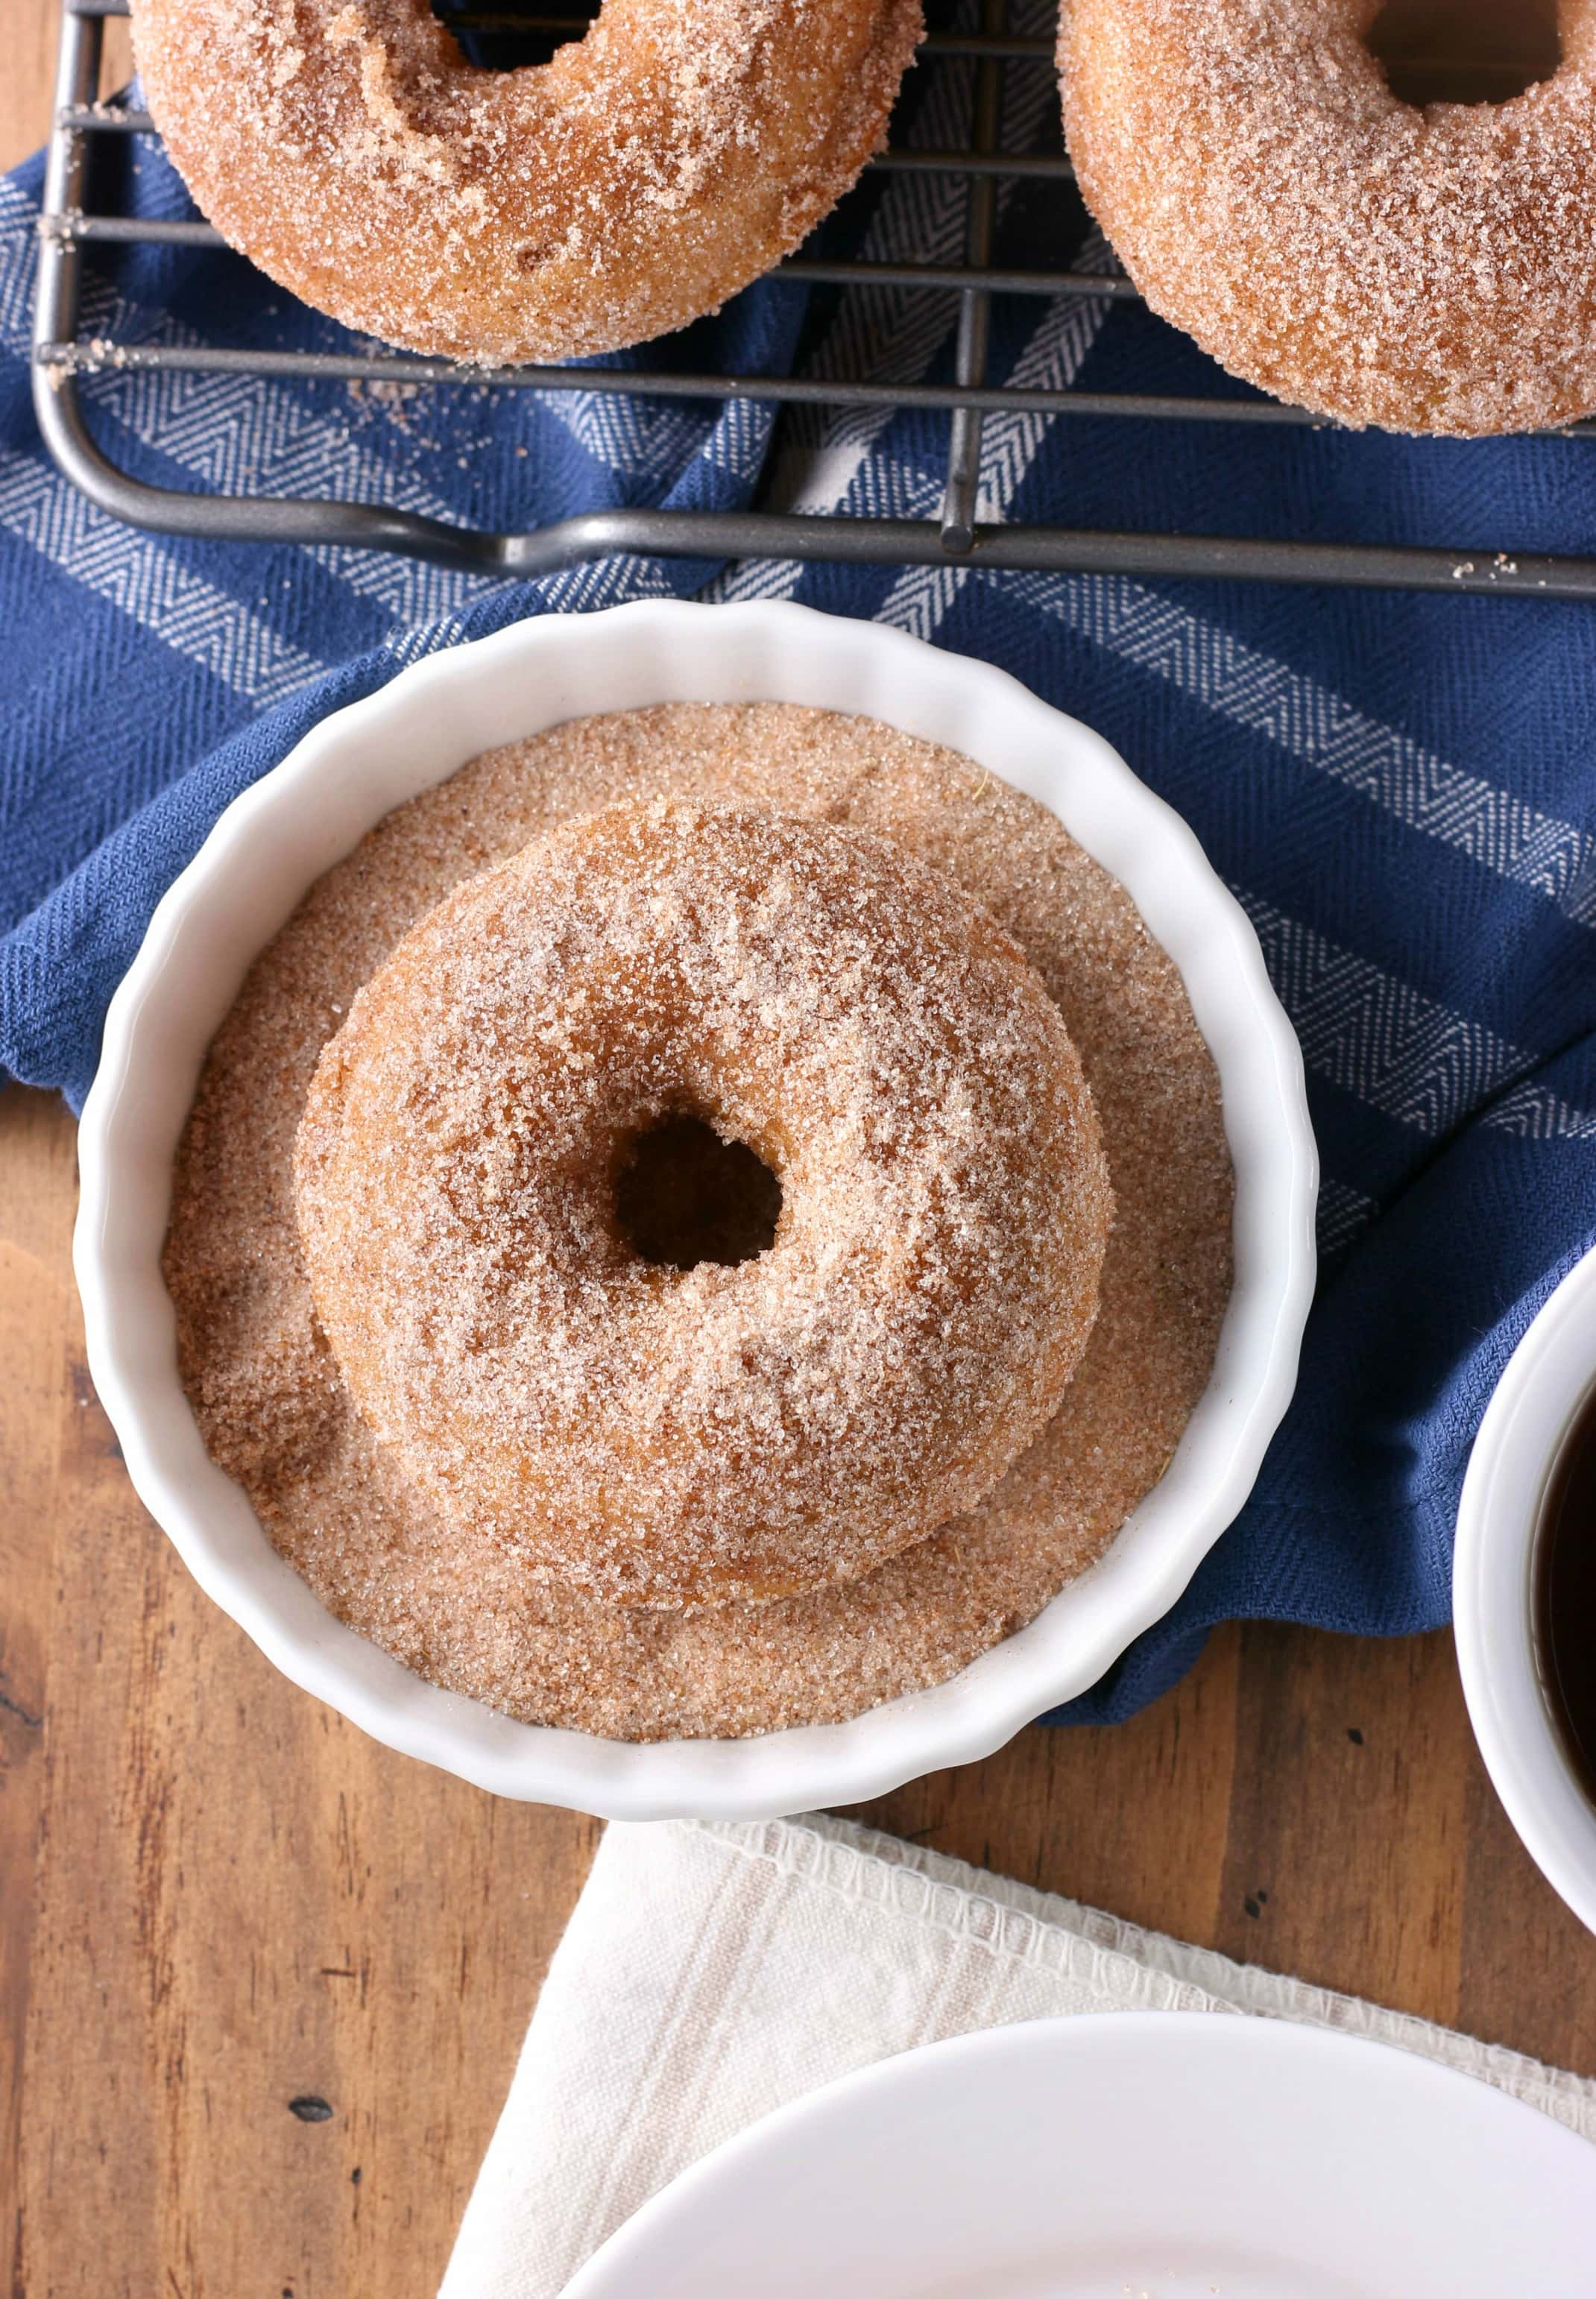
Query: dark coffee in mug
point(1564, 1596)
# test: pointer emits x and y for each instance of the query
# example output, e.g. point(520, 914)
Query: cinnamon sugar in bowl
point(285, 1507)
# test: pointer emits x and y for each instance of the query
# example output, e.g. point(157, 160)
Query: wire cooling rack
point(63, 354)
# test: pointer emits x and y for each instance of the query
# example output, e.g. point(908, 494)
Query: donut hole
point(1464, 51)
point(504, 35)
point(684, 1194)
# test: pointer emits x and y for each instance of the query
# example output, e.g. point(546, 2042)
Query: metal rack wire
point(63, 354)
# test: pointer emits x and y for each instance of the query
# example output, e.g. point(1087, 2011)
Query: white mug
point(1549, 1382)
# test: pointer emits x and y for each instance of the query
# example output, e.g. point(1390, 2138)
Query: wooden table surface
point(217, 1899)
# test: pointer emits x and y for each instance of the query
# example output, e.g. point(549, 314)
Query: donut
point(739, 1429)
point(1428, 270)
point(630, 184)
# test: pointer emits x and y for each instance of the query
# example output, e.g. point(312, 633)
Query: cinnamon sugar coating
point(453, 1604)
point(1429, 269)
point(630, 184)
point(663, 1435)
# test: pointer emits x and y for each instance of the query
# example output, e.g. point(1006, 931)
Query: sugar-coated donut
point(666, 1436)
point(630, 184)
point(1427, 270)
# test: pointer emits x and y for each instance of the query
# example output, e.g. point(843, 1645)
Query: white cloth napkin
point(711, 1974)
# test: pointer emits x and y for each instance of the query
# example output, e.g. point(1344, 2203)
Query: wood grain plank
point(1131, 1818)
point(239, 1900)
point(38, 1316)
point(25, 85)
point(1347, 1855)
point(27, 79)
point(1528, 1965)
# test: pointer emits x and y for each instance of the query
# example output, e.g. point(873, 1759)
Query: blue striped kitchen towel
point(1400, 789)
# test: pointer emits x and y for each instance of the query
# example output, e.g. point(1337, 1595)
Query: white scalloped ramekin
point(278, 837)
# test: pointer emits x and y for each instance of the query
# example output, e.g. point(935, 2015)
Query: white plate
point(275, 841)
point(1128, 2156)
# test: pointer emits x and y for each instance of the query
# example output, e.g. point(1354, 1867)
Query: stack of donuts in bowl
point(505, 1262)
point(1426, 267)
point(696, 1209)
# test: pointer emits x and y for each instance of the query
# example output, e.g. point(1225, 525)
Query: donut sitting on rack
point(1430, 269)
point(629, 184)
